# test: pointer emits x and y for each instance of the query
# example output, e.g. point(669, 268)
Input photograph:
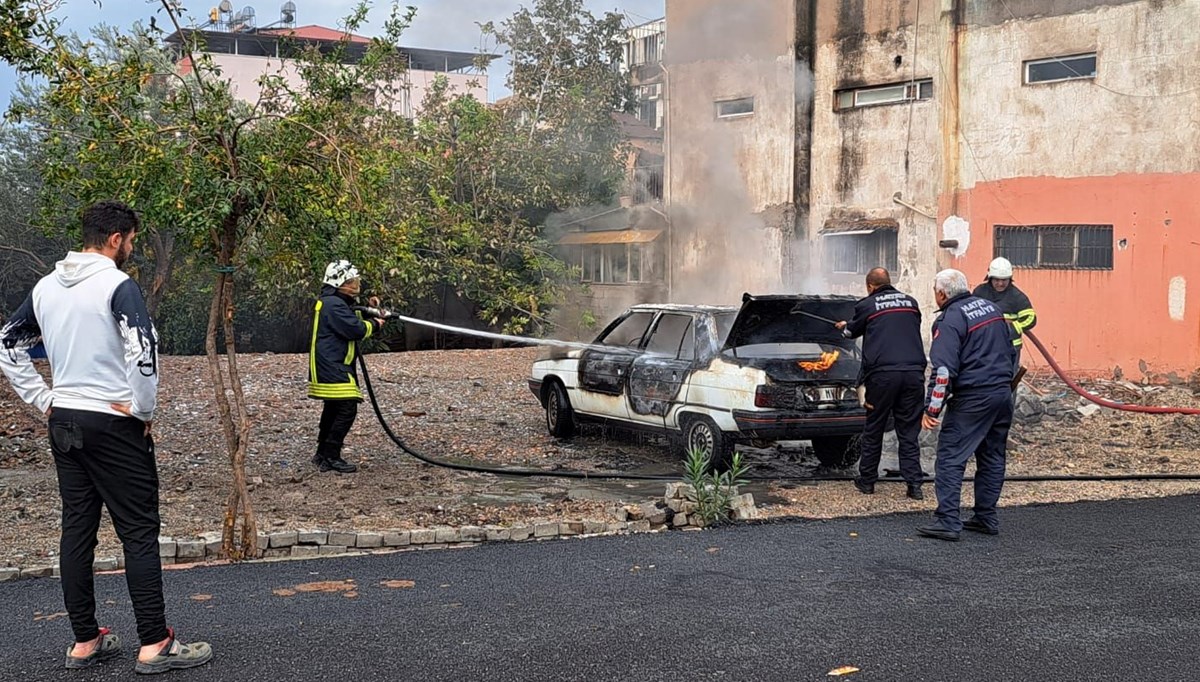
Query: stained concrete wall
point(1117, 150)
point(730, 187)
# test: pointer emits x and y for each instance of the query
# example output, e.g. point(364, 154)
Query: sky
point(442, 24)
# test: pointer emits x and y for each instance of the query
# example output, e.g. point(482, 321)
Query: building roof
point(315, 32)
point(610, 237)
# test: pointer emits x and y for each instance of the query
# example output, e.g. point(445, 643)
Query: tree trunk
point(163, 246)
point(235, 421)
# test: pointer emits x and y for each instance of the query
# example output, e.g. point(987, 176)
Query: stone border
point(675, 511)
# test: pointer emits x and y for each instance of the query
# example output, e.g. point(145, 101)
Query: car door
point(657, 377)
point(604, 371)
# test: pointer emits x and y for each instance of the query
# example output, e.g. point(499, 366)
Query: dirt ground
point(475, 406)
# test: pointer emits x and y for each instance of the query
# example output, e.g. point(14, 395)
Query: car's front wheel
point(560, 418)
point(702, 434)
point(836, 452)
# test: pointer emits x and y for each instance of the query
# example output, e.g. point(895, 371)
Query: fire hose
point(558, 473)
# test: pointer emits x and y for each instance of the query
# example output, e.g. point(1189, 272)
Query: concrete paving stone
point(326, 550)
point(396, 538)
point(37, 571)
point(277, 553)
point(105, 564)
point(641, 526)
point(337, 537)
point(284, 539)
point(520, 533)
point(569, 528)
point(190, 549)
point(444, 536)
point(369, 540)
point(545, 530)
point(593, 527)
point(9, 574)
point(305, 551)
point(167, 547)
point(312, 537)
point(422, 536)
point(498, 535)
point(264, 541)
point(617, 527)
point(472, 534)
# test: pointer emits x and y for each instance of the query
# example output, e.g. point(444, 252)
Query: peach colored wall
point(1147, 307)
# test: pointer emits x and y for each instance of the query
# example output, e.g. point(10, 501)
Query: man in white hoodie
point(101, 345)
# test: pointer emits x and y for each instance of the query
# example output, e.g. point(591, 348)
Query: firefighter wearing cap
point(331, 373)
point(972, 342)
point(894, 377)
point(1012, 302)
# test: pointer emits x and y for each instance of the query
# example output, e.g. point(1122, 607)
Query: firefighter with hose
point(1012, 302)
point(337, 328)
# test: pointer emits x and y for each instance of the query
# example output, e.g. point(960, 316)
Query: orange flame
point(826, 361)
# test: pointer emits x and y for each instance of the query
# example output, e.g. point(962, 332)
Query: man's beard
point(121, 258)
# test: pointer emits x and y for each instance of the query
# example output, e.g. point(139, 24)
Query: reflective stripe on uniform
point(312, 350)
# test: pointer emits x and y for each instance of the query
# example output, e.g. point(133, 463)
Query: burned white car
point(710, 377)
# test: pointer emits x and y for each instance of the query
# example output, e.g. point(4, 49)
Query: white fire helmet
point(1000, 268)
point(339, 272)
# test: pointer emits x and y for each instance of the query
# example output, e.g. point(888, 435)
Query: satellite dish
point(226, 6)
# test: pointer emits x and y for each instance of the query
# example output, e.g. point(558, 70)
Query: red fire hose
point(1097, 399)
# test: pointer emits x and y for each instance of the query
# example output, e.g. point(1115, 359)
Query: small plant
point(713, 491)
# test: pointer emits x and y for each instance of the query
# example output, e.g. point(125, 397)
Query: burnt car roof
point(684, 308)
point(800, 297)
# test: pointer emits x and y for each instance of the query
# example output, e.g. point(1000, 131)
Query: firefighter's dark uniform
point(894, 375)
point(332, 376)
point(1017, 309)
point(972, 340)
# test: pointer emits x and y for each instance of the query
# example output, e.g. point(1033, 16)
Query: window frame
point(717, 104)
point(916, 90)
point(1077, 232)
point(877, 253)
point(1062, 59)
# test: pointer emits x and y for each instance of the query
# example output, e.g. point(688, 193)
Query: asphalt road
point(1095, 591)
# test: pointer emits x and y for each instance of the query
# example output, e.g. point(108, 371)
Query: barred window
point(1056, 247)
point(857, 252)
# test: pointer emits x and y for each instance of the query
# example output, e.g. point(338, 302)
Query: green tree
point(223, 175)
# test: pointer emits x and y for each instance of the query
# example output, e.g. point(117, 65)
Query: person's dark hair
point(103, 219)
point(879, 277)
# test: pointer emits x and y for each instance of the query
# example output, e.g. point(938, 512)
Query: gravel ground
point(475, 406)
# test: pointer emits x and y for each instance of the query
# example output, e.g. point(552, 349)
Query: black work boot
point(864, 487)
point(938, 531)
point(974, 524)
point(914, 492)
point(317, 459)
point(339, 465)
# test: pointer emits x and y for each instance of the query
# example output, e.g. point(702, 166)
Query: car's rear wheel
point(836, 452)
point(560, 418)
point(703, 434)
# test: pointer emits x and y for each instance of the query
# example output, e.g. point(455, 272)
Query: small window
point(1056, 247)
point(629, 332)
point(854, 98)
point(1060, 69)
point(670, 335)
point(856, 253)
point(735, 108)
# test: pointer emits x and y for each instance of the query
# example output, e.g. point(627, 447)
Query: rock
point(520, 533)
point(679, 520)
point(642, 526)
point(397, 538)
point(369, 540)
point(342, 538)
point(545, 530)
point(653, 513)
point(1089, 410)
point(190, 549)
point(422, 536)
point(633, 513)
point(285, 539)
point(7, 574)
point(594, 527)
point(326, 550)
point(497, 535)
point(569, 528)
point(312, 537)
point(742, 508)
point(305, 551)
point(679, 491)
point(264, 541)
point(617, 527)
